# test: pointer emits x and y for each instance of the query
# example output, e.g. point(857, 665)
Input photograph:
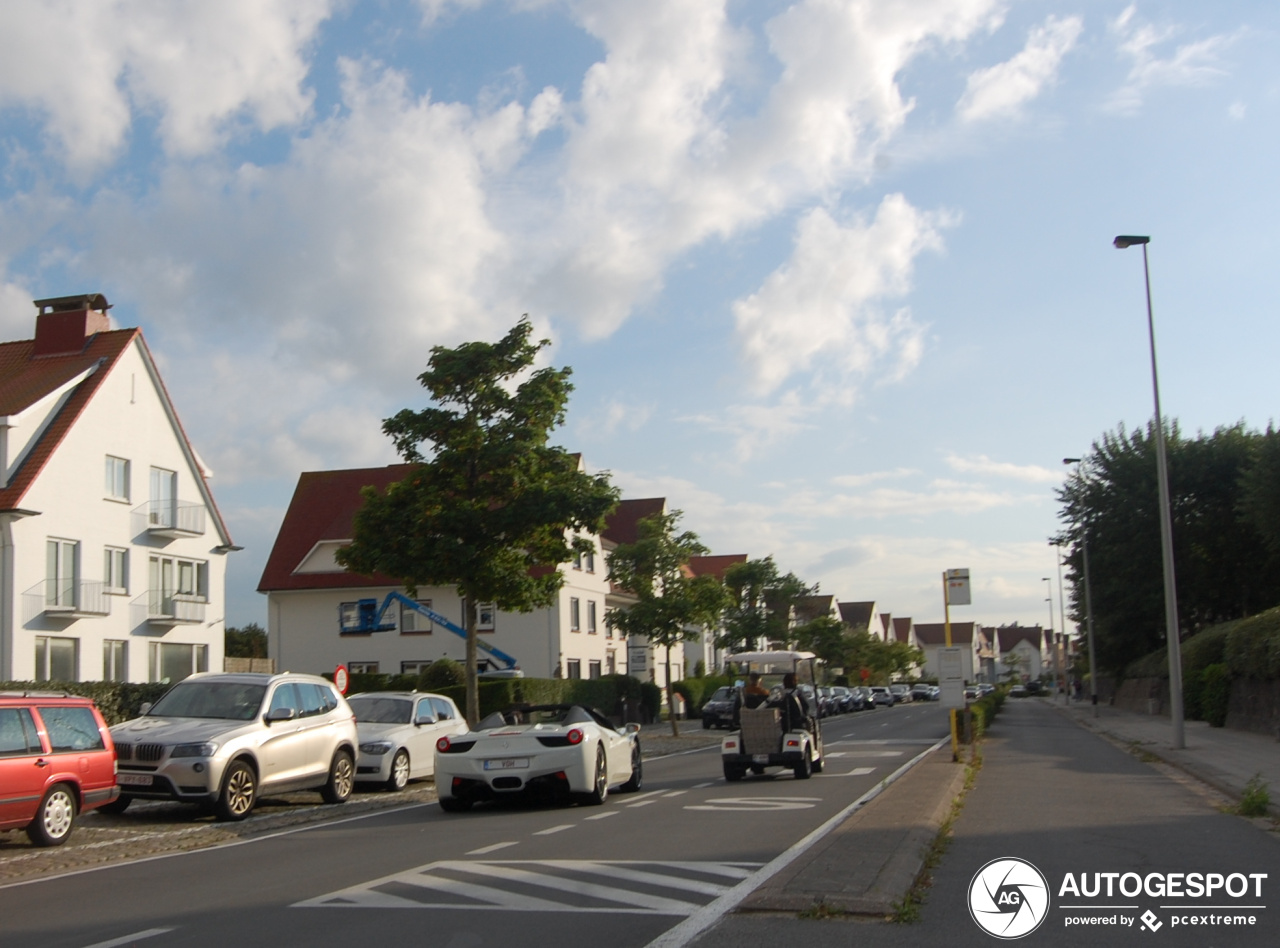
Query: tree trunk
point(473, 685)
point(671, 698)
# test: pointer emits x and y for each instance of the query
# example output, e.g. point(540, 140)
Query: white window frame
point(166, 578)
point(118, 481)
point(575, 614)
point(362, 668)
point(115, 660)
point(572, 666)
point(115, 570)
point(155, 664)
point(44, 660)
point(409, 619)
point(62, 572)
point(592, 627)
point(413, 668)
point(593, 668)
point(164, 498)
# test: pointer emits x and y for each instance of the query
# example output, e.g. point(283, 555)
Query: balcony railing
point(168, 608)
point(170, 518)
point(59, 598)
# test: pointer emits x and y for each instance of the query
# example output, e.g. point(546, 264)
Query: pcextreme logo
point(1009, 898)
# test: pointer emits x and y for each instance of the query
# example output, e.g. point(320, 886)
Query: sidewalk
point(1068, 801)
point(1224, 759)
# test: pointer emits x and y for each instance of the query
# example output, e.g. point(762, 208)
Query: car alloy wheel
point(54, 819)
point(600, 787)
point(239, 792)
point(399, 778)
point(342, 773)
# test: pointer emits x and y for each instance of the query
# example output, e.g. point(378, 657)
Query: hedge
point(698, 691)
point(117, 700)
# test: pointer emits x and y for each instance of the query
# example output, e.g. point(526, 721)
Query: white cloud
point(1190, 64)
point(613, 418)
point(861, 480)
point(198, 66)
point(823, 301)
point(981, 464)
point(1003, 89)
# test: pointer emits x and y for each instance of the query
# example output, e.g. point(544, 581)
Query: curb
point(906, 822)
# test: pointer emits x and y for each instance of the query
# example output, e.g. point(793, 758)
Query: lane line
point(675, 793)
point(130, 939)
point(485, 850)
point(703, 786)
point(603, 816)
point(693, 926)
point(632, 806)
point(554, 829)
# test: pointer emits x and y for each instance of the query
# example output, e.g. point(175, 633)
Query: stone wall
point(1254, 705)
point(241, 665)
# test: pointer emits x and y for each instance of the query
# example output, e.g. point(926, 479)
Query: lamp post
point(1166, 521)
point(1062, 624)
point(1049, 631)
point(1088, 605)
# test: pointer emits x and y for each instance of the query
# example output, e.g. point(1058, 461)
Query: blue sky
point(834, 277)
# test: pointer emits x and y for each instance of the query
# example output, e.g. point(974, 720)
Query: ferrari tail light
point(574, 736)
point(442, 745)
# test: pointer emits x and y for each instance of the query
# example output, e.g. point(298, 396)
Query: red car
point(56, 761)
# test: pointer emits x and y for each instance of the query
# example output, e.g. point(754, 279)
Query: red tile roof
point(621, 527)
point(323, 508)
point(934, 633)
point(857, 614)
point(714, 565)
point(902, 629)
point(1010, 635)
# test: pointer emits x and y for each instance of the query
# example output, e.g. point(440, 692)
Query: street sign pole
point(946, 623)
point(955, 589)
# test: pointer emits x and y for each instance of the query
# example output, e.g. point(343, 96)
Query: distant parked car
point(922, 692)
point(868, 697)
point(901, 693)
point(57, 761)
point(717, 711)
point(883, 696)
point(398, 732)
point(223, 740)
point(1018, 691)
point(843, 698)
point(972, 693)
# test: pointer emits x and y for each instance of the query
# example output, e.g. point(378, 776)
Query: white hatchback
point(398, 733)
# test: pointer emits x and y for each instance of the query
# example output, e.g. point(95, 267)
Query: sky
point(834, 277)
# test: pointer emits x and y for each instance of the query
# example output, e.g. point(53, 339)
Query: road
point(620, 874)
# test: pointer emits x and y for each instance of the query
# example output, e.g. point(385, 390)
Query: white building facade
point(112, 551)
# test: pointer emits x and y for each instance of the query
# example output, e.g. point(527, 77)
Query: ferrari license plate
point(759, 758)
point(133, 780)
point(507, 763)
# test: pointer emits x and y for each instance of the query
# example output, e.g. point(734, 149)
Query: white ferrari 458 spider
point(560, 752)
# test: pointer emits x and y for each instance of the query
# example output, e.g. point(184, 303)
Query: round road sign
point(340, 678)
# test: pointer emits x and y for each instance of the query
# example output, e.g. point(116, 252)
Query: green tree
point(1260, 491)
point(827, 637)
point(746, 619)
point(489, 504)
point(1224, 569)
point(248, 641)
point(670, 605)
point(782, 597)
point(884, 660)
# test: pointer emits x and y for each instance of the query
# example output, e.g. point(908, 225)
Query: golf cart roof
point(767, 658)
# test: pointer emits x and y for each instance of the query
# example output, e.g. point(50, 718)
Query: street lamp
point(1166, 521)
point(1062, 624)
point(1088, 605)
point(1049, 631)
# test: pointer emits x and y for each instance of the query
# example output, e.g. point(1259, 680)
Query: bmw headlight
point(207, 749)
point(377, 748)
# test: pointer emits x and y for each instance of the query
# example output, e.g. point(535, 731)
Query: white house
point(112, 552)
point(931, 636)
point(310, 598)
point(1021, 651)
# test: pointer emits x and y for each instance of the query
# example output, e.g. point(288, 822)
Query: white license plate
point(759, 758)
point(133, 780)
point(507, 763)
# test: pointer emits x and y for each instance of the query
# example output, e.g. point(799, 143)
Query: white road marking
point(130, 939)
point(675, 793)
point(857, 772)
point(554, 829)
point(632, 806)
point(703, 786)
point(755, 804)
point(562, 885)
point(873, 753)
point(485, 850)
point(598, 816)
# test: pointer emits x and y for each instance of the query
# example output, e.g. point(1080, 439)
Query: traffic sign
point(958, 587)
point(341, 679)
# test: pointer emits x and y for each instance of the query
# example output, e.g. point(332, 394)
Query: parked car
point(398, 731)
point(843, 699)
point(883, 696)
point(922, 692)
point(972, 693)
point(222, 740)
point(901, 693)
point(57, 760)
point(868, 697)
point(827, 705)
point(563, 752)
point(1018, 691)
point(717, 711)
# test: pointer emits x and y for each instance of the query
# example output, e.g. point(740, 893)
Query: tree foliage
point(762, 602)
point(248, 641)
point(1223, 566)
point(489, 503)
point(1260, 491)
point(670, 605)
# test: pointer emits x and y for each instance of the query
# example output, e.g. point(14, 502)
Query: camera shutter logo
point(1008, 898)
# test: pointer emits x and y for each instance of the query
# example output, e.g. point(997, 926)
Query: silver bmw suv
point(224, 739)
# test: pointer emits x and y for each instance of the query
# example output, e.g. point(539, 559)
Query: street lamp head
point(1071, 460)
point(1124, 241)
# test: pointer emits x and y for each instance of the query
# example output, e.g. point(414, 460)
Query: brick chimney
point(65, 324)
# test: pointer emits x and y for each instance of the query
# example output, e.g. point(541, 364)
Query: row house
point(701, 646)
point(311, 600)
point(1021, 651)
point(931, 636)
point(112, 551)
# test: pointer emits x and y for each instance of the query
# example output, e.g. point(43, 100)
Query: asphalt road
point(620, 875)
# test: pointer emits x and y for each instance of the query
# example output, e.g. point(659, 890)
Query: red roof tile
point(621, 527)
point(902, 629)
point(714, 565)
point(934, 633)
point(323, 508)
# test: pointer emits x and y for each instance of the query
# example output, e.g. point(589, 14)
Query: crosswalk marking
point(657, 888)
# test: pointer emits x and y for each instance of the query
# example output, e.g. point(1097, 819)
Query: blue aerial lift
point(370, 617)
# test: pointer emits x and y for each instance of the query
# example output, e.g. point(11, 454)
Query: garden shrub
point(1215, 694)
point(442, 673)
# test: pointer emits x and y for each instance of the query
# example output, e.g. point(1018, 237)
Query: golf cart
point(777, 729)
